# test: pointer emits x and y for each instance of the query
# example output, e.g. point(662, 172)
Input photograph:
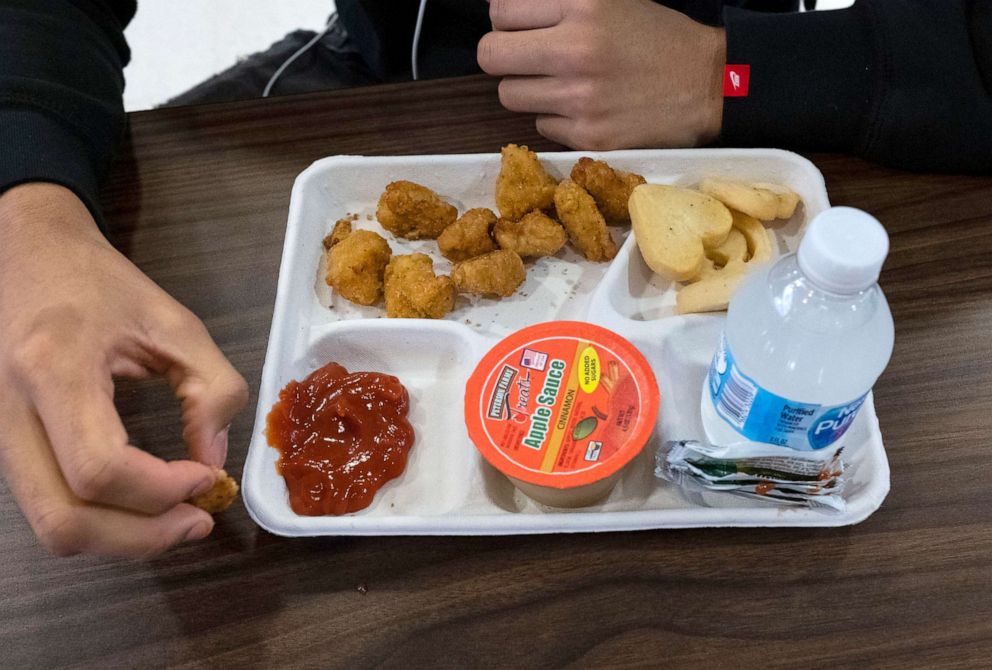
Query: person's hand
point(607, 74)
point(74, 314)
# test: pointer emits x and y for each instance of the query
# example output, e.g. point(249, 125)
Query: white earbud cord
point(299, 52)
point(416, 40)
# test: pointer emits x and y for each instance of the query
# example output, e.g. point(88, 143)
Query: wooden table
point(199, 201)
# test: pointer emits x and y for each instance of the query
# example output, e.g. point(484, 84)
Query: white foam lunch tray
point(447, 487)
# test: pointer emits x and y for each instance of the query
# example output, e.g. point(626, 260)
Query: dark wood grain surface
point(199, 201)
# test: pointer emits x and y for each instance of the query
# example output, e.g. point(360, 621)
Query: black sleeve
point(61, 81)
point(907, 83)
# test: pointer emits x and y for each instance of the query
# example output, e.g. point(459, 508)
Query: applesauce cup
point(561, 408)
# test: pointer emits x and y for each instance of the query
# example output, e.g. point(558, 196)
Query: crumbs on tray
point(537, 217)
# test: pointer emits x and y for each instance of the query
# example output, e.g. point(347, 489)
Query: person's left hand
point(607, 74)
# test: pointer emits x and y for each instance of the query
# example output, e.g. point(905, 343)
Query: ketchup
point(340, 437)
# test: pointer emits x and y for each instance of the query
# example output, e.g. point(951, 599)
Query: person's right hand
point(74, 314)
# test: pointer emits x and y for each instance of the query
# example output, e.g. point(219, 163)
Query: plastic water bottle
point(805, 340)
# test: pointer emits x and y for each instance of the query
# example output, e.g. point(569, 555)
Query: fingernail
point(218, 449)
point(199, 531)
point(204, 486)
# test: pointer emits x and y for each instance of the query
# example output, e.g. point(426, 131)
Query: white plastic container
point(805, 341)
point(447, 487)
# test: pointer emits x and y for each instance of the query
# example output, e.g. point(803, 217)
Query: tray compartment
point(432, 360)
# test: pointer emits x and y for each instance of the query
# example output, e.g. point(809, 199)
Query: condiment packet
point(787, 480)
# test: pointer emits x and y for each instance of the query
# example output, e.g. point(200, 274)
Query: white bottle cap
point(843, 250)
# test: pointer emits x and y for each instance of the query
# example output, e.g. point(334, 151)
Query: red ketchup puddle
point(341, 436)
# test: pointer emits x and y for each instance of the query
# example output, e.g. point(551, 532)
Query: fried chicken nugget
point(413, 211)
point(468, 237)
point(610, 188)
point(497, 273)
point(537, 234)
point(413, 291)
point(218, 497)
point(522, 184)
point(356, 264)
point(585, 225)
point(342, 229)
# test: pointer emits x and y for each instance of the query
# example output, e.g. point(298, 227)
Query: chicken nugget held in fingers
point(523, 184)
point(533, 236)
point(413, 211)
point(218, 497)
point(610, 188)
point(584, 224)
point(469, 236)
point(356, 264)
point(413, 291)
point(498, 273)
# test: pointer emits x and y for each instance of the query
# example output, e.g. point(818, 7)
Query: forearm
point(34, 215)
point(61, 82)
point(901, 82)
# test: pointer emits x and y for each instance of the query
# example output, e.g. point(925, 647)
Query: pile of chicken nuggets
point(537, 216)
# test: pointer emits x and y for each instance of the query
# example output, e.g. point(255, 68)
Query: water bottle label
point(762, 416)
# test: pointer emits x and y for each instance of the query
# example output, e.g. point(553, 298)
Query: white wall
point(176, 44)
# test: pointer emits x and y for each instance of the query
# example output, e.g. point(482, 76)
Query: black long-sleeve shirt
point(902, 82)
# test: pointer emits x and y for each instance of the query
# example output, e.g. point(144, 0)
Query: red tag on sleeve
point(735, 80)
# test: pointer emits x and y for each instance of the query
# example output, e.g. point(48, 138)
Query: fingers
point(65, 524)
point(518, 53)
point(578, 134)
point(557, 129)
point(73, 398)
point(72, 528)
point(533, 95)
point(583, 134)
point(525, 14)
point(210, 389)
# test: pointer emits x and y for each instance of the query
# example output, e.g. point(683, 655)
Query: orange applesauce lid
point(561, 404)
